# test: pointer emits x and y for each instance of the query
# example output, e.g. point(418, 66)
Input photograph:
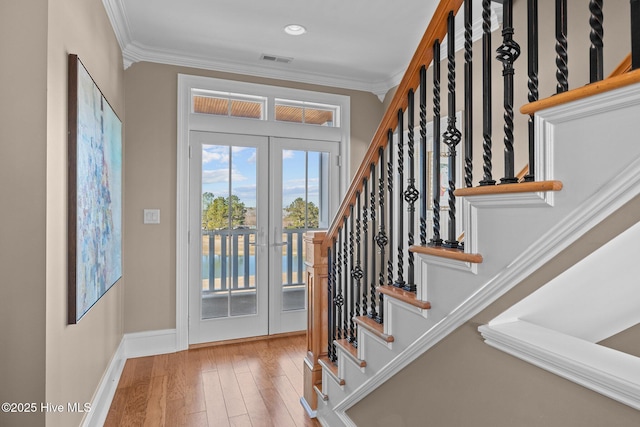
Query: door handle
point(280, 244)
point(262, 245)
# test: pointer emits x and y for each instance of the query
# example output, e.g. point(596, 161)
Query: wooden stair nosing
point(520, 187)
point(404, 296)
point(332, 369)
point(351, 351)
point(448, 253)
point(374, 327)
point(318, 389)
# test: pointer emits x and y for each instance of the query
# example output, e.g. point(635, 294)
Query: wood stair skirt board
point(609, 372)
point(590, 194)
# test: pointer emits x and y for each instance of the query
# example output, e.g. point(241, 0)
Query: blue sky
point(216, 160)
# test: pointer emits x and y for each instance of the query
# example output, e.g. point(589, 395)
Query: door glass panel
point(228, 231)
point(304, 207)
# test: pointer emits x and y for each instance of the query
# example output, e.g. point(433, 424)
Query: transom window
point(256, 107)
point(306, 112)
point(229, 104)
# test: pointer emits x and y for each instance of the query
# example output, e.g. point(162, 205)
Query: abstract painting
point(95, 193)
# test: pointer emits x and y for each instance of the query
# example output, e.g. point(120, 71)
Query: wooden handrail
point(583, 92)
point(623, 67)
point(436, 30)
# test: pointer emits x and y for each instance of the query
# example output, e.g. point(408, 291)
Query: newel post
point(317, 265)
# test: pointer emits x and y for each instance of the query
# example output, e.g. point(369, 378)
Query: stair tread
point(332, 368)
point(449, 253)
point(520, 187)
point(404, 296)
point(351, 351)
point(318, 388)
point(374, 327)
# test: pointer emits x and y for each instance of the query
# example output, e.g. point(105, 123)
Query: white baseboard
point(149, 343)
point(139, 344)
point(106, 390)
point(307, 408)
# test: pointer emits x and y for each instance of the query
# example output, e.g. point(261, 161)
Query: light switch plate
point(152, 216)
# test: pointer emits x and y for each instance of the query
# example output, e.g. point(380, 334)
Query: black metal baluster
point(373, 313)
point(357, 271)
point(352, 285)
point(468, 96)
point(339, 298)
point(452, 136)
point(532, 53)
point(596, 64)
point(487, 167)
point(400, 279)
point(331, 292)
point(508, 52)
point(411, 194)
point(562, 57)
point(424, 169)
point(435, 169)
point(346, 320)
point(365, 258)
point(390, 280)
point(635, 34)
point(381, 238)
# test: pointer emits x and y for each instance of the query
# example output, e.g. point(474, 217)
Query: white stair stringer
point(597, 178)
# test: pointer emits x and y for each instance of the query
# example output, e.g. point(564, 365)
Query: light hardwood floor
point(256, 383)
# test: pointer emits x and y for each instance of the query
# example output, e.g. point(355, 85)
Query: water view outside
point(229, 258)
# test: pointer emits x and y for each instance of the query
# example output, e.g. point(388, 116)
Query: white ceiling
point(356, 44)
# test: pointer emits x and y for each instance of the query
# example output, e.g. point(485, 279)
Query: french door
point(251, 200)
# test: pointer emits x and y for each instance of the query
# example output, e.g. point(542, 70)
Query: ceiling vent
point(274, 58)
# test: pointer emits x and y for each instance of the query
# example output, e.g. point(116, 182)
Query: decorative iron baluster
point(357, 271)
point(424, 170)
point(596, 64)
point(339, 298)
point(400, 279)
point(346, 319)
point(468, 96)
point(452, 136)
point(435, 170)
point(532, 53)
point(411, 194)
point(562, 57)
point(390, 206)
point(352, 286)
point(487, 167)
point(381, 238)
point(635, 34)
point(508, 52)
point(331, 292)
point(372, 212)
point(365, 258)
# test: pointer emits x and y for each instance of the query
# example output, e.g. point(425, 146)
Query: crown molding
point(133, 52)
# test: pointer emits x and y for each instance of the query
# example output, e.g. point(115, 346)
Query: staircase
point(379, 299)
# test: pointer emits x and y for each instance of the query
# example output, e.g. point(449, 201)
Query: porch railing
point(404, 192)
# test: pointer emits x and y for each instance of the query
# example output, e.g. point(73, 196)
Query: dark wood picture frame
point(94, 193)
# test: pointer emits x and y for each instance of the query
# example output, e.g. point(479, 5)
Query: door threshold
point(247, 339)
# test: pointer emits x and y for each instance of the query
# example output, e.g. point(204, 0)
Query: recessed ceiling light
point(295, 29)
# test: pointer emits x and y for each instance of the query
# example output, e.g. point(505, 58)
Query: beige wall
point(77, 355)
point(151, 104)
point(23, 86)
point(43, 359)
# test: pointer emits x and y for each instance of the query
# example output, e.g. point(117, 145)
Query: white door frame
point(187, 121)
